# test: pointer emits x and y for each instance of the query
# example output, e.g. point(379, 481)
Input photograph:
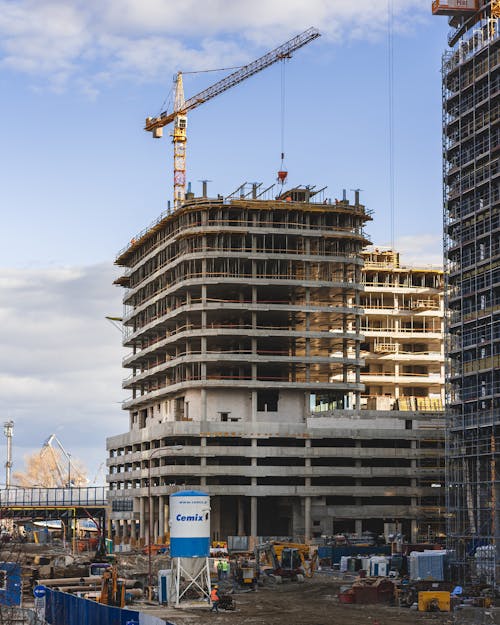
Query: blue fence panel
point(65, 609)
point(10, 593)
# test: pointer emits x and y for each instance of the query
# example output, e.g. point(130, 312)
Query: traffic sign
point(39, 592)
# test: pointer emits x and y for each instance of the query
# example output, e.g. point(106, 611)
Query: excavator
point(290, 552)
point(284, 561)
point(112, 589)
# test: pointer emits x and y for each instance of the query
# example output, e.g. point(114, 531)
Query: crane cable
point(282, 173)
point(283, 76)
point(390, 72)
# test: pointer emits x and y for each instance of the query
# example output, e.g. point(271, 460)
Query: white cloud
point(61, 360)
point(421, 249)
point(64, 41)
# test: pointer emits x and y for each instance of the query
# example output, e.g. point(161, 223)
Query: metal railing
point(44, 497)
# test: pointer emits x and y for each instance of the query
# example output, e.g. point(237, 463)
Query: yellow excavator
point(288, 552)
point(285, 560)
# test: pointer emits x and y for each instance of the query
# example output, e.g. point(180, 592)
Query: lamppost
point(150, 508)
point(8, 428)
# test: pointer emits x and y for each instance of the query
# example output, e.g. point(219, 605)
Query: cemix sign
point(189, 517)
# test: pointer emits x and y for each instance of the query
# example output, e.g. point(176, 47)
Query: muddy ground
point(314, 602)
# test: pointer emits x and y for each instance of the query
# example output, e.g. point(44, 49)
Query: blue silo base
point(190, 547)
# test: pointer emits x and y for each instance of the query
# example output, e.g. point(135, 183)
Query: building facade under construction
point(243, 320)
point(471, 106)
point(403, 325)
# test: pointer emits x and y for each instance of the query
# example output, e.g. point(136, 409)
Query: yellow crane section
point(181, 106)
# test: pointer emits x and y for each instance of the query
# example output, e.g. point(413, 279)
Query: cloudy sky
point(79, 176)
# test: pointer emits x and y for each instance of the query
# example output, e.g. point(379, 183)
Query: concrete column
point(142, 517)
point(254, 404)
point(307, 519)
point(358, 526)
point(307, 500)
point(253, 519)
point(414, 526)
point(204, 395)
point(241, 517)
point(203, 461)
point(253, 500)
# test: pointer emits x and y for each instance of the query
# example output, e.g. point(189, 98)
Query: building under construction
point(403, 328)
point(243, 319)
point(471, 106)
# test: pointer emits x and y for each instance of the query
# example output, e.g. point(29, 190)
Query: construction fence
point(64, 609)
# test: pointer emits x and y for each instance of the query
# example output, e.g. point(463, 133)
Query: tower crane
point(181, 106)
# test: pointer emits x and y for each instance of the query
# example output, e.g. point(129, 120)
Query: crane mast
point(181, 106)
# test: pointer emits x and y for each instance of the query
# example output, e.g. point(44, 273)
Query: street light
point(150, 508)
point(8, 428)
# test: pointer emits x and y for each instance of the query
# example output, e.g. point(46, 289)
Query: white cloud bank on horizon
point(61, 359)
point(92, 43)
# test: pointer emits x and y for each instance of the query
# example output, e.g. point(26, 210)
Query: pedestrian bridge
point(75, 497)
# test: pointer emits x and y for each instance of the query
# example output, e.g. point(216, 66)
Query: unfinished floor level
point(242, 317)
point(403, 328)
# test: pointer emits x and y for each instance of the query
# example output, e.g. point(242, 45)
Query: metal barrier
point(61, 608)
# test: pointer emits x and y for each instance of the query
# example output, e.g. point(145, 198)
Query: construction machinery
point(291, 552)
point(181, 106)
point(112, 589)
point(290, 564)
point(73, 476)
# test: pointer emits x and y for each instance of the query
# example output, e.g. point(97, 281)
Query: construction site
point(312, 423)
point(472, 296)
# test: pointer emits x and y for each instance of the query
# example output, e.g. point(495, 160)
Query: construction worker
point(220, 569)
point(214, 598)
point(225, 569)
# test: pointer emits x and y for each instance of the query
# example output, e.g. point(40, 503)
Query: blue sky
point(79, 176)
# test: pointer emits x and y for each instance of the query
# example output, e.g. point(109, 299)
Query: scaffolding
point(471, 80)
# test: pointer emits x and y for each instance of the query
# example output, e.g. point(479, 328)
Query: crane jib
point(284, 51)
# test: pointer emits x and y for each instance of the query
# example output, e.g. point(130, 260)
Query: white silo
point(190, 544)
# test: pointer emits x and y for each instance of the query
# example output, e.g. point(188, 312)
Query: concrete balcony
point(403, 378)
point(231, 382)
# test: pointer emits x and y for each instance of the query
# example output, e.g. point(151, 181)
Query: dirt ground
point(312, 603)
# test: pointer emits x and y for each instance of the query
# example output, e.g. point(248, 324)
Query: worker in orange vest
point(214, 598)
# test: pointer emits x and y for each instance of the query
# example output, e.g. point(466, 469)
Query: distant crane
point(181, 106)
point(66, 479)
point(99, 473)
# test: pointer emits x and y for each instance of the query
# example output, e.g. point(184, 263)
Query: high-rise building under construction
point(471, 107)
point(243, 319)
